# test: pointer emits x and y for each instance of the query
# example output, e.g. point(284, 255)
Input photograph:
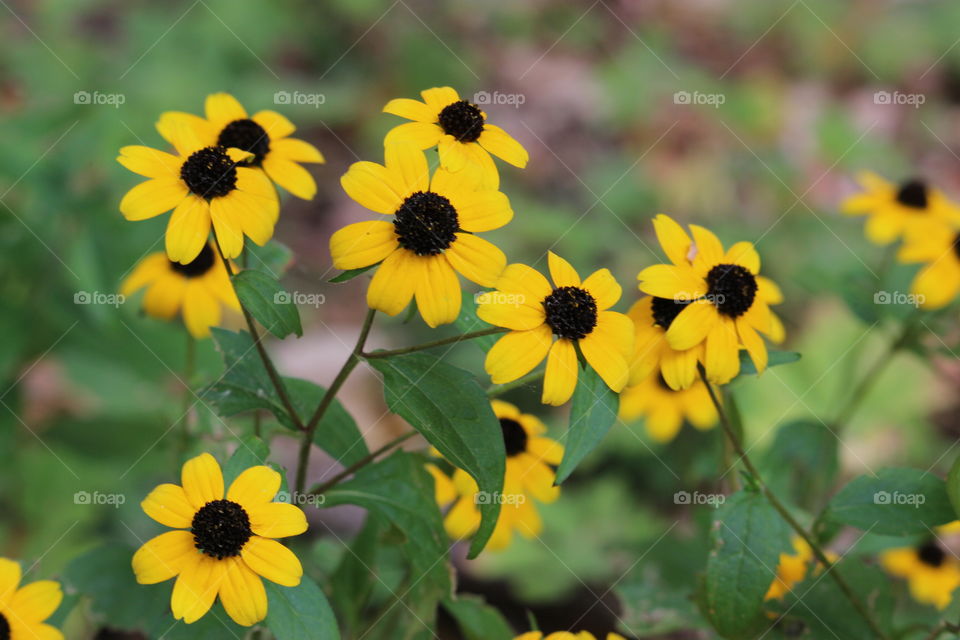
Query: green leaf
point(354, 579)
point(746, 540)
point(245, 386)
point(274, 257)
point(896, 502)
point(802, 463)
point(296, 613)
point(774, 359)
point(447, 406)
point(477, 620)
point(268, 302)
point(350, 274)
point(251, 452)
point(592, 413)
point(468, 321)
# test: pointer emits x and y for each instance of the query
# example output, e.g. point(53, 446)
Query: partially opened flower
point(223, 543)
point(429, 238)
point(565, 635)
point(23, 609)
point(935, 245)
point(575, 312)
point(663, 409)
point(892, 209)
point(931, 569)
point(726, 301)
point(204, 185)
point(198, 290)
point(265, 135)
point(459, 130)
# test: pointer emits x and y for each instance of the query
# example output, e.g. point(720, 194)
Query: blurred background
point(749, 117)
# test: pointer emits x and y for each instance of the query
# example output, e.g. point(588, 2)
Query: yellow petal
point(453, 154)
point(35, 631)
point(242, 593)
point(537, 478)
point(452, 184)
point(196, 588)
point(673, 282)
point(222, 109)
point(937, 284)
point(525, 280)
point(709, 251)
point(482, 210)
point(768, 291)
point(604, 289)
point(10, 574)
point(254, 486)
point(188, 229)
point(164, 557)
point(411, 110)
point(501, 144)
point(226, 226)
point(476, 259)
point(421, 134)
point(546, 450)
point(517, 353)
point(147, 271)
point(276, 125)
point(754, 344)
point(296, 150)
point(509, 310)
point(276, 519)
point(745, 255)
point(291, 176)
point(560, 377)
point(165, 296)
point(722, 353)
point(202, 480)
point(394, 282)
point(150, 162)
point(463, 519)
point(438, 291)
point(679, 368)
point(479, 158)
point(153, 197)
point(372, 186)
point(409, 163)
point(444, 491)
point(273, 561)
point(362, 244)
point(36, 601)
point(252, 215)
point(692, 325)
point(168, 504)
point(673, 239)
point(440, 97)
point(183, 134)
point(561, 272)
point(605, 348)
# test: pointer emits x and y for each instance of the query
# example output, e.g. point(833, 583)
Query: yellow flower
point(430, 238)
point(935, 244)
point(265, 135)
point(529, 476)
point(197, 289)
point(459, 130)
point(565, 635)
point(576, 312)
point(932, 572)
point(892, 209)
point(203, 184)
point(726, 301)
point(664, 409)
point(222, 544)
point(651, 319)
point(23, 609)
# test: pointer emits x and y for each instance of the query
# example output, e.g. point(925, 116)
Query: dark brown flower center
point(665, 311)
point(247, 135)
point(4, 628)
point(198, 266)
point(571, 312)
point(462, 120)
point(731, 289)
point(514, 436)
point(426, 223)
point(913, 194)
point(220, 529)
point(931, 554)
point(209, 173)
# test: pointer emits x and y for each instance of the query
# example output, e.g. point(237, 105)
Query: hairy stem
point(435, 343)
point(359, 464)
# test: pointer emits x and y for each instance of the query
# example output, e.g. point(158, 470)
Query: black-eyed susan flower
point(204, 185)
point(892, 209)
point(932, 571)
point(936, 245)
point(565, 635)
point(725, 300)
point(663, 409)
point(430, 237)
point(23, 609)
point(529, 477)
point(197, 290)
point(459, 130)
point(265, 135)
point(223, 543)
point(792, 568)
point(576, 313)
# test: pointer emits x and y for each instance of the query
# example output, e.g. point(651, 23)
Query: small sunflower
point(725, 300)
point(24, 609)
point(931, 570)
point(529, 476)
point(265, 135)
point(576, 312)
point(565, 635)
point(459, 130)
point(204, 184)
point(223, 543)
point(430, 238)
point(664, 409)
point(892, 209)
point(196, 289)
point(936, 245)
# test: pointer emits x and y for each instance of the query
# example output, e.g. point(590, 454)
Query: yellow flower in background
point(565, 635)
point(663, 410)
point(529, 476)
point(197, 289)
point(430, 237)
point(23, 609)
point(935, 244)
point(222, 544)
point(265, 135)
point(726, 301)
point(892, 209)
point(931, 570)
point(204, 185)
point(792, 568)
point(459, 130)
point(576, 312)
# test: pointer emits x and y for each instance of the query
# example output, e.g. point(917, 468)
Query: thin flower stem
point(937, 631)
point(188, 368)
point(352, 360)
point(788, 517)
point(435, 343)
point(359, 464)
point(500, 389)
point(275, 379)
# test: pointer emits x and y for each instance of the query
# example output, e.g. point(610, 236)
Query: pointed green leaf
point(267, 302)
point(592, 413)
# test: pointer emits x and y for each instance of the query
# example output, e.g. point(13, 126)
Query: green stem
point(359, 464)
point(500, 389)
point(352, 360)
point(188, 368)
point(435, 343)
point(788, 517)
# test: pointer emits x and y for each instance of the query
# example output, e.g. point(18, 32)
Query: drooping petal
point(692, 325)
point(226, 227)
point(517, 353)
point(242, 593)
point(501, 144)
point(679, 368)
point(438, 291)
point(188, 229)
point(252, 217)
point(196, 588)
point(722, 353)
point(560, 377)
point(165, 296)
point(168, 504)
point(394, 282)
point(164, 557)
point(202, 480)
point(273, 561)
point(754, 344)
point(254, 486)
point(605, 348)
point(562, 273)
point(153, 197)
point(476, 259)
point(277, 519)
